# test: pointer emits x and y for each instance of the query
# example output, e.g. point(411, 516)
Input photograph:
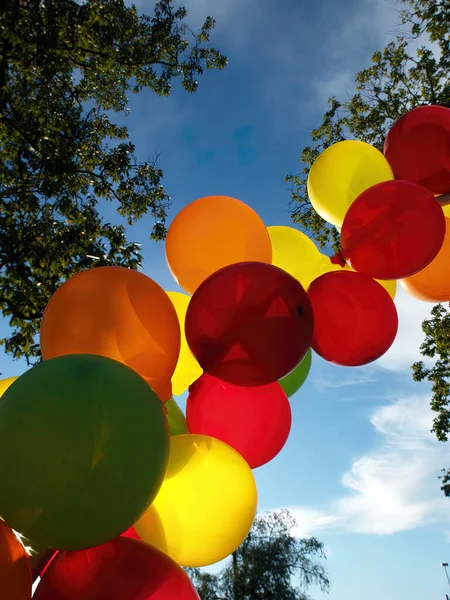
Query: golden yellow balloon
point(187, 369)
point(294, 252)
point(5, 383)
point(341, 173)
point(446, 210)
point(206, 504)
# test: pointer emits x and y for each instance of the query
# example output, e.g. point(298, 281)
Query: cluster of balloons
point(97, 461)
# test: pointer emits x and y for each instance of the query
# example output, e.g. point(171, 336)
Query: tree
point(268, 565)
point(66, 67)
point(398, 80)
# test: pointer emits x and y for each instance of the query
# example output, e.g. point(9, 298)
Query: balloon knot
point(338, 259)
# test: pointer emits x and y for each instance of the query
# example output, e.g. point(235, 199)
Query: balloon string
point(39, 562)
point(444, 200)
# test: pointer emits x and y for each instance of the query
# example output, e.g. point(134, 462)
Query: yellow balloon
point(206, 504)
point(446, 210)
point(187, 369)
point(5, 383)
point(341, 173)
point(297, 254)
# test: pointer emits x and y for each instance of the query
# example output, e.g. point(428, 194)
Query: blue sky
point(359, 470)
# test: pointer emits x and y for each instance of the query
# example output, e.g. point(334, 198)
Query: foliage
point(437, 347)
point(66, 67)
point(267, 565)
point(399, 79)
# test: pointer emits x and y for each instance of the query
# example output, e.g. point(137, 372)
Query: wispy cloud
point(322, 384)
point(394, 487)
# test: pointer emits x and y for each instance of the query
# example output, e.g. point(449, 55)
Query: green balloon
point(296, 378)
point(176, 418)
point(84, 447)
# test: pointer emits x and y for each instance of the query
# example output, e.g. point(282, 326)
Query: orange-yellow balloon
point(15, 574)
point(117, 313)
point(5, 383)
point(447, 210)
point(187, 370)
point(211, 233)
point(341, 173)
point(206, 504)
point(432, 284)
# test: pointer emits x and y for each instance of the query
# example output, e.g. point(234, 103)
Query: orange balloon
point(211, 233)
point(117, 313)
point(15, 573)
point(432, 284)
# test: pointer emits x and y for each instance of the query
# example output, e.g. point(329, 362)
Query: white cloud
point(394, 487)
point(406, 348)
point(328, 382)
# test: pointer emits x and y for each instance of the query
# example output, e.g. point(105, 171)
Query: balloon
point(341, 173)
point(297, 254)
point(176, 419)
point(122, 569)
point(417, 148)
point(6, 383)
point(211, 233)
point(206, 505)
point(15, 574)
point(296, 378)
point(83, 451)
point(255, 421)
point(117, 313)
point(355, 320)
point(131, 533)
point(249, 324)
point(390, 285)
point(187, 369)
point(432, 284)
point(446, 210)
point(392, 230)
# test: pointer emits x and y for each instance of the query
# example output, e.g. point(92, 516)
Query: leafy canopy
point(271, 564)
point(66, 68)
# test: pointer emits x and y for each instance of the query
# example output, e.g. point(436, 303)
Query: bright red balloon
point(392, 230)
point(131, 533)
point(418, 148)
point(255, 421)
point(15, 574)
point(122, 569)
point(355, 319)
point(249, 323)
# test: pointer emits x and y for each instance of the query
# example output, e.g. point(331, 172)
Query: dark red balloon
point(122, 569)
point(249, 323)
point(418, 148)
point(255, 421)
point(355, 319)
point(392, 230)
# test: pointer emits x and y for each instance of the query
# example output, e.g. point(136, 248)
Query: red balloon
point(249, 323)
point(418, 148)
point(122, 569)
point(392, 230)
point(255, 421)
point(131, 533)
point(355, 319)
